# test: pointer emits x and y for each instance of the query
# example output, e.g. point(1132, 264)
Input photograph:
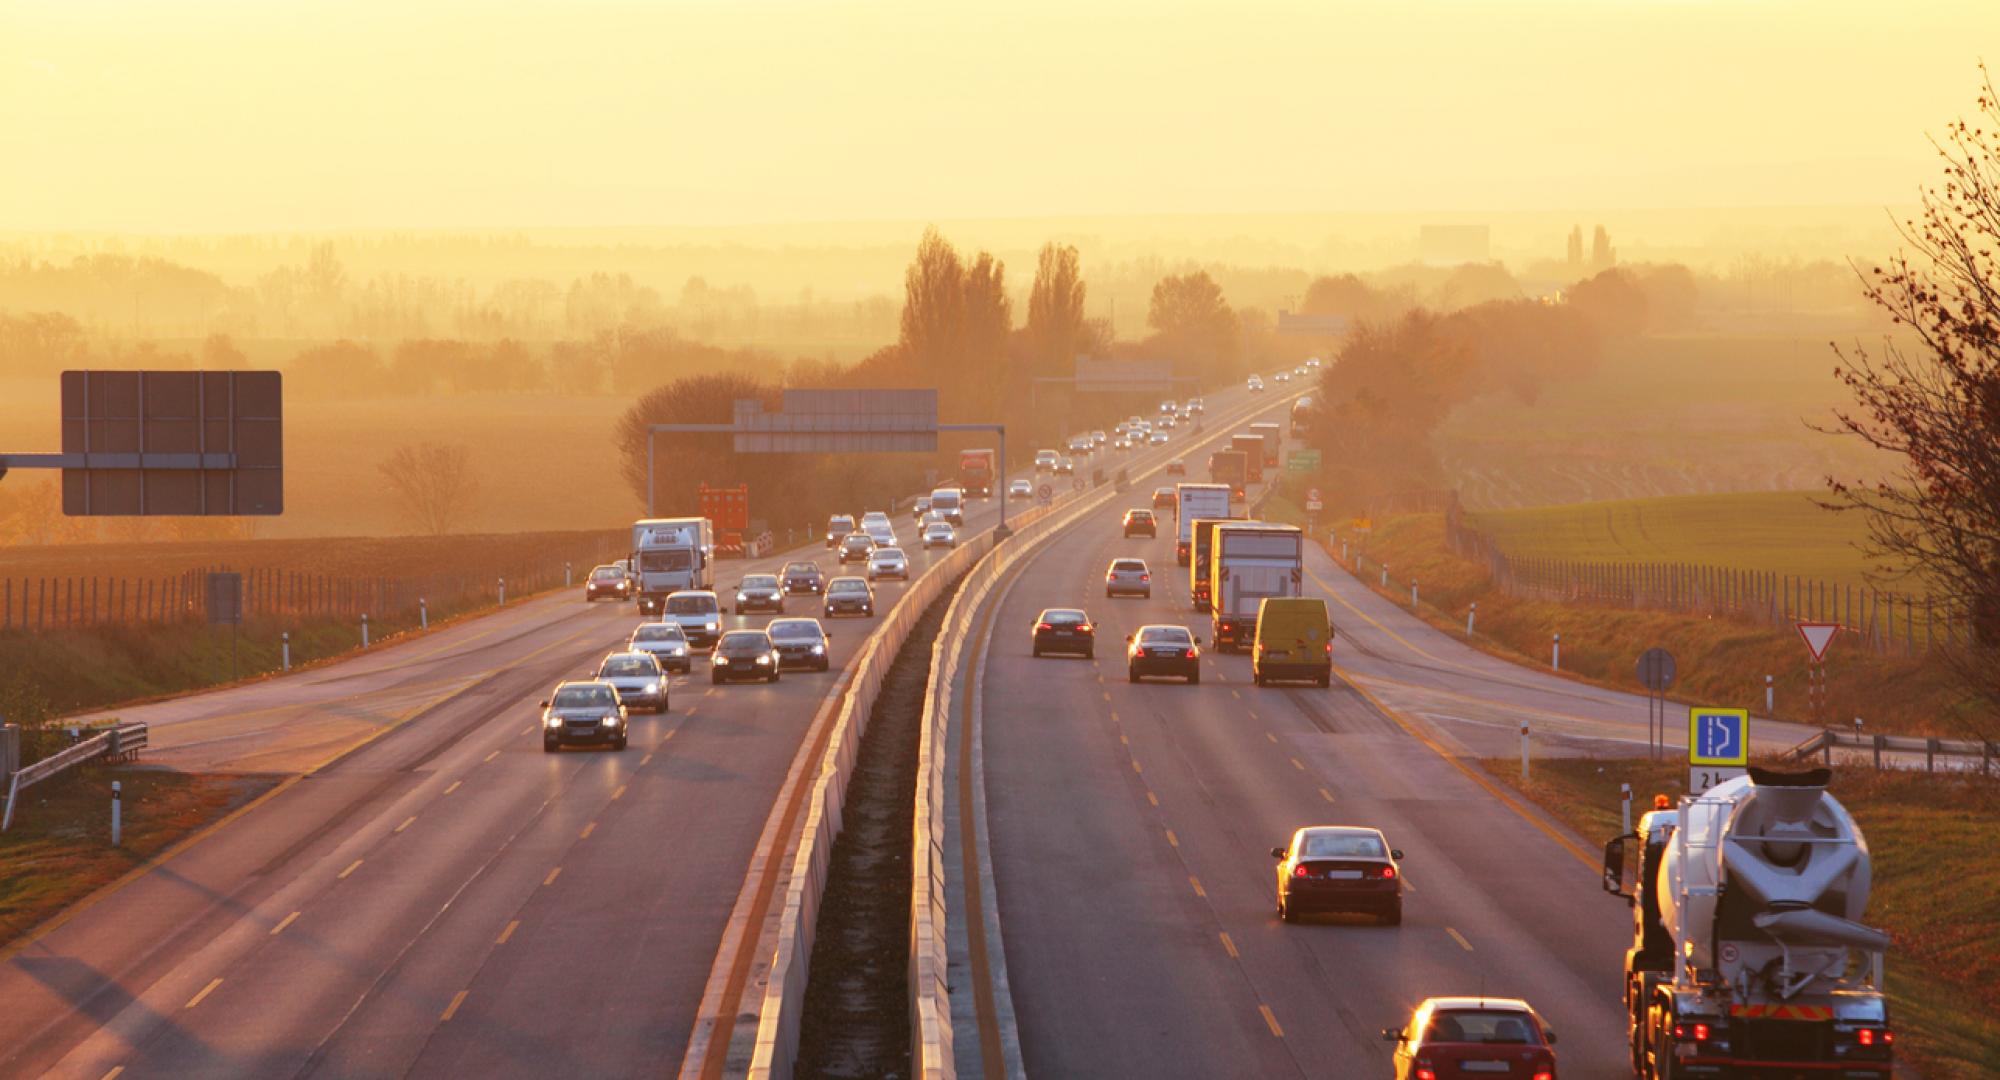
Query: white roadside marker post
point(285, 650)
point(1556, 652)
point(117, 812)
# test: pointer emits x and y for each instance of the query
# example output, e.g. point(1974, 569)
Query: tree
point(989, 319)
point(1936, 404)
point(1575, 252)
point(434, 486)
point(1612, 301)
point(1195, 323)
point(1602, 255)
point(934, 306)
point(1055, 310)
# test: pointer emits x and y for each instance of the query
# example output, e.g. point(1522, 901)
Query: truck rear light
point(1424, 1072)
point(1545, 1074)
point(1697, 1032)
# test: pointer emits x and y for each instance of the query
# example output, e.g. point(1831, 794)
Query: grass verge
point(1936, 888)
point(59, 850)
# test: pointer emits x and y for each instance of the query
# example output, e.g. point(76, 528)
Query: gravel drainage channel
point(857, 1008)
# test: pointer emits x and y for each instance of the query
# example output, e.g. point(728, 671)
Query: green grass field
point(1784, 532)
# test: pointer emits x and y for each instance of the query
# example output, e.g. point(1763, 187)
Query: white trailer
point(671, 554)
point(1251, 561)
point(1196, 502)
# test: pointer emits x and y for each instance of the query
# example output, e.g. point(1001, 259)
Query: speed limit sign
point(1045, 493)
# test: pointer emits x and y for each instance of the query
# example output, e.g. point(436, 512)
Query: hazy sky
point(266, 114)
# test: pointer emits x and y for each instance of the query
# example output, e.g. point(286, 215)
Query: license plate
point(1484, 1066)
point(1355, 875)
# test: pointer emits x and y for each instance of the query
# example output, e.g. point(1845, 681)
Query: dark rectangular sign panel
point(178, 443)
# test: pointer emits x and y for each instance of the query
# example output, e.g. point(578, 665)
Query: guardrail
point(121, 742)
point(778, 1016)
point(1826, 742)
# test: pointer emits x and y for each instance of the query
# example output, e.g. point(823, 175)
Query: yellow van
point(1294, 641)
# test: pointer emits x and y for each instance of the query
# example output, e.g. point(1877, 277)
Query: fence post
point(1385, 575)
point(1413, 593)
point(1524, 750)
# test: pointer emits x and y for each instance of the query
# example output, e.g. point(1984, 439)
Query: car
point(1195, 406)
point(1081, 444)
point(1141, 522)
point(888, 562)
point(1284, 376)
point(1336, 868)
point(1065, 630)
point(940, 534)
point(1066, 467)
point(760, 592)
point(665, 642)
point(934, 517)
point(1122, 442)
point(637, 678)
point(1177, 467)
point(1128, 577)
point(1045, 461)
point(837, 526)
point(607, 583)
point(1294, 641)
point(1020, 489)
point(1473, 1036)
point(1099, 437)
point(583, 712)
point(947, 504)
point(1167, 423)
point(1312, 362)
point(849, 596)
point(1300, 370)
point(801, 643)
point(920, 507)
point(881, 532)
point(699, 614)
point(1255, 384)
point(804, 578)
point(856, 547)
point(743, 654)
point(1164, 498)
point(873, 517)
point(1157, 438)
point(1163, 649)
point(1167, 408)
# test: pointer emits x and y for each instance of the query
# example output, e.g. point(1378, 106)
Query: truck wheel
point(1326, 679)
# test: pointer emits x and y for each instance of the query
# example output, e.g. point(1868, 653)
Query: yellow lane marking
point(620, 793)
point(1253, 714)
point(1114, 716)
point(1460, 938)
point(452, 1009)
point(551, 879)
point(1107, 695)
point(1236, 694)
point(1229, 946)
point(690, 712)
point(1198, 890)
point(509, 932)
point(351, 867)
point(1325, 794)
point(529, 730)
point(1124, 740)
point(670, 733)
point(1271, 737)
point(1272, 1021)
point(286, 921)
point(710, 692)
point(645, 761)
point(587, 830)
point(205, 991)
point(113, 1074)
point(493, 755)
point(407, 822)
point(1136, 768)
point(1152, 798)
point(453, 787)
point(1172, 839)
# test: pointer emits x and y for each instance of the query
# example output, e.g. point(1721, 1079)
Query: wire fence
point(77, 602)
point(1889, 623)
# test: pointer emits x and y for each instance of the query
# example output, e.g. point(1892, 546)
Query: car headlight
point(722, 661)
point(651, 688)
point(709, 625)
point(740, 598)
point(763, 659)
point(677, 650)
point(609, 721)
point(552, 720)
point(819, 650)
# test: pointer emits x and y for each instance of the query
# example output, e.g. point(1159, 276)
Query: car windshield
point(584, 697)
point(1497, 1026)
point(1065, 617)
point(760, 581)
point(691, 605)
point(793, 631)
point(848, 585)
point(629, 665)
point(1140, 515)
point(858, 540)
point(937, 528)
point(1165, 635)
point(1132, 565)
point(843, 522)
point(1344, 845)
point(607, 573)
point(660, 632)
point(802, 568)
point(888, 554)
point(656, 562)
point(746, 642)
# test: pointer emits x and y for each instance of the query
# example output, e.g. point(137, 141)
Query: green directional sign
point(1303, 461)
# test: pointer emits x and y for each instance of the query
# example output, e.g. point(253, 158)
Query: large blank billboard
point(184, 443)
point(840, 422)
point(1094, 376)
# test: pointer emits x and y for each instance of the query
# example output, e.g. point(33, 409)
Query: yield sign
point(1818, 636)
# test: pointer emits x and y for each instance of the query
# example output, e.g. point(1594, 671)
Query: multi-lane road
point(427, 892)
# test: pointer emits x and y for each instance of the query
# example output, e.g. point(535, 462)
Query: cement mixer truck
point(1747, 958)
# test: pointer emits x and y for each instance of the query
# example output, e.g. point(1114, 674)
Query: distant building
point(1450, 245)
point(1296, 324)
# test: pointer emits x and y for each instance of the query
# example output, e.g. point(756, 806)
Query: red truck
point(975, 472)
point(1253, 456)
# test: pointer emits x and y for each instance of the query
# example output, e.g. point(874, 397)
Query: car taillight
point(1302, 870)
point(1545, 1074)
point(1698, 1032)
point(1191, 654)
point(1424, 1072)
point(1145, 577)
point(1388, 872)
point(1085, 628)
point(1045, 626)
point(1871, 1037)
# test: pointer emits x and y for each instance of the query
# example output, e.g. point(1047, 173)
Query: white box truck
point(670, 554)
point(1194, 502)
point(1250, 562)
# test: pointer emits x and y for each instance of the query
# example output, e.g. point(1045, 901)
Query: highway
point(427, 892)
point(1131, 825)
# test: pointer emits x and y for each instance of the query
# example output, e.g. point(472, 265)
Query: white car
point(665, 642)
point(1255, 384)
point(873, 517)
point(940, 534)
point(637, 678)
point(1020, 489)
point(1157, 438)
point(883, 533)
point(888, 562)
point(1045, 460)
point(699, 614)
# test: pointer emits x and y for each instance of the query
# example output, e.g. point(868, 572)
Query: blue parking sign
point(1718, 736)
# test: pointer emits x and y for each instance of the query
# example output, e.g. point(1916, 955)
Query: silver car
point(940, 534)
point(888, 562)
point(883, 533)
point(637, 678)
point(665, 643)
point(1019, 489)
point(1128, 577)
point(1157, 438)
point(760, 592)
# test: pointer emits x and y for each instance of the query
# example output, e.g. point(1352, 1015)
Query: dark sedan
point(760, 592)
point(801, 643)
point(1163, 650)
point(1141, 523)
point(849, 596)
point(804, 578)
point(743, 654)
point(1065, 630)
point(856, 547)
point(1332, 868)
point(583, 713)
